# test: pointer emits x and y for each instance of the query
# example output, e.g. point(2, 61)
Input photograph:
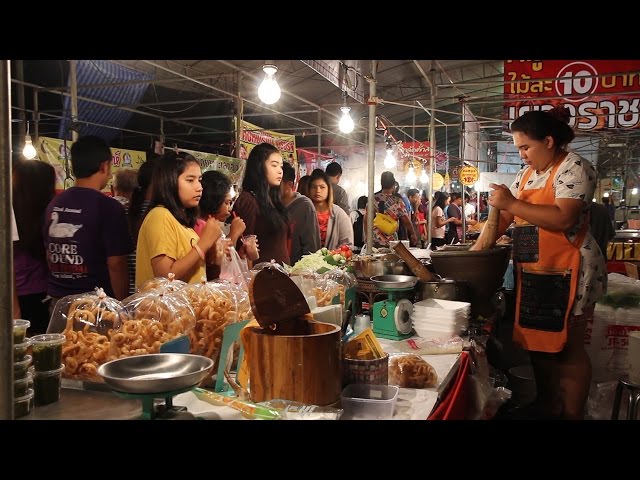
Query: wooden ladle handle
point(488, 236)
point(413, 263)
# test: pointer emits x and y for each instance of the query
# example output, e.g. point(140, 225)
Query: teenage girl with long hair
point(167, 242)
point(260, 205)
point(335, 225)
point(34, 185)
point(438, 220)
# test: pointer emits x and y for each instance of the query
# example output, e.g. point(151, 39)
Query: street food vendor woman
point(561, 272)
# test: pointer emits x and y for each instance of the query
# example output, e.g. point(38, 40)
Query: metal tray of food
point(155, 373)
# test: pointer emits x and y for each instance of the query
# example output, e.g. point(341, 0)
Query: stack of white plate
point(435, 318)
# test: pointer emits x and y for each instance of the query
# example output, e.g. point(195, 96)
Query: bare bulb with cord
point(29, 151)
point(346, 124)
point(424, 178)
point(269, 91)
point(390, 159)
point(411, 176)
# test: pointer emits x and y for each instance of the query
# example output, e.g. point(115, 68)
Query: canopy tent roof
point(193, 102)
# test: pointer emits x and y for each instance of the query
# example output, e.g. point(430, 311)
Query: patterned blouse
point(576, 178)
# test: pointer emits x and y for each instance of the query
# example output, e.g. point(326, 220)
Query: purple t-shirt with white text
point(82, 228)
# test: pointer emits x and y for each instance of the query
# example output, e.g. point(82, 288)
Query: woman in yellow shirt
point(167, 242)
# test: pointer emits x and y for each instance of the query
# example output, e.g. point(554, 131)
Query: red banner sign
point(599, 93)
point(421, 151)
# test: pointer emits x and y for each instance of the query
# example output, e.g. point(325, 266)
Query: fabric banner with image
point(231, 167)
point(252, 135)
point(55, 152)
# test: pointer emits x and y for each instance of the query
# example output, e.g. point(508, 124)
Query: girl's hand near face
point(210, 233)
point(236, 230)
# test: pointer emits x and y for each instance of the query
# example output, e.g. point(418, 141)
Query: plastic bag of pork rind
point(328, 292)
point(165, 284)
point(149, 320)
point(87, 321)
point(215, 306)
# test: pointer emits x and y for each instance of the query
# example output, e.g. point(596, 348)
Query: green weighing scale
point(392, 316)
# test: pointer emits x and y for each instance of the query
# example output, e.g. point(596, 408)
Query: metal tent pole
point(74, 98)
point(432, 147)
point(6, 247)
point(371, 155)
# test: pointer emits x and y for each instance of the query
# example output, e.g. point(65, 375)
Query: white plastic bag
point(234, 269)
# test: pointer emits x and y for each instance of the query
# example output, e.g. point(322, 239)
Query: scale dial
point(402, 316)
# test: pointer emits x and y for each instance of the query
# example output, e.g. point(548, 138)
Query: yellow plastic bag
point(385, 223)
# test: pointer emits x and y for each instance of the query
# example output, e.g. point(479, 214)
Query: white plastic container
point(369, 402)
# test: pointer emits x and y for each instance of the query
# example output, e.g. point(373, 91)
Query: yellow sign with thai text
point(468, 175)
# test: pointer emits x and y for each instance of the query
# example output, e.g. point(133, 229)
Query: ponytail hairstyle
point(538, 125)
point(255, 181)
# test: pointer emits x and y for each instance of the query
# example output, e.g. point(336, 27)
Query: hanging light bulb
point(232, 192)
point(269, 91)
point(29, 151)
point(390, 159)
point(424, 178)
point(346, 124)
point(634, 191)
point(411, 176)
point(605, 194)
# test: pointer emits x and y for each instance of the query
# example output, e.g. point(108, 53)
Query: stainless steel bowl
point(155, 373)
point(394, 282)
point(367, 266)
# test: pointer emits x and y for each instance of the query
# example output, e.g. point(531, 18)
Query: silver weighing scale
point(392, 316)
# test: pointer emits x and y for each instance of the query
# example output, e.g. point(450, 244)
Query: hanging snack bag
point(153, 322)
point(87, 321)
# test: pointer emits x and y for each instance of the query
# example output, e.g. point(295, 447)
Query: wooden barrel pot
point(305, 367)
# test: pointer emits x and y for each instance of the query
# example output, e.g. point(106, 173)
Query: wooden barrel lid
point(275, 298)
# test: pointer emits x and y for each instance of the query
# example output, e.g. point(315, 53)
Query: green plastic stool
point(231, 334)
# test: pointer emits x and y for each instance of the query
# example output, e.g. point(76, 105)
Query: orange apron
point(548, 268)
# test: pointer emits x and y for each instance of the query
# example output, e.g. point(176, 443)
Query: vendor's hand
point(500, 197)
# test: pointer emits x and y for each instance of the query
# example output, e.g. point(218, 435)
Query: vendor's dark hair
point(165, 186)
point(255, 180)
point(303, 185)
point(88, 154)
point(34, 184)
point(440, 199)
point(539, 124)
point(215, 186)
point(137, 210)
point(288, 172)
